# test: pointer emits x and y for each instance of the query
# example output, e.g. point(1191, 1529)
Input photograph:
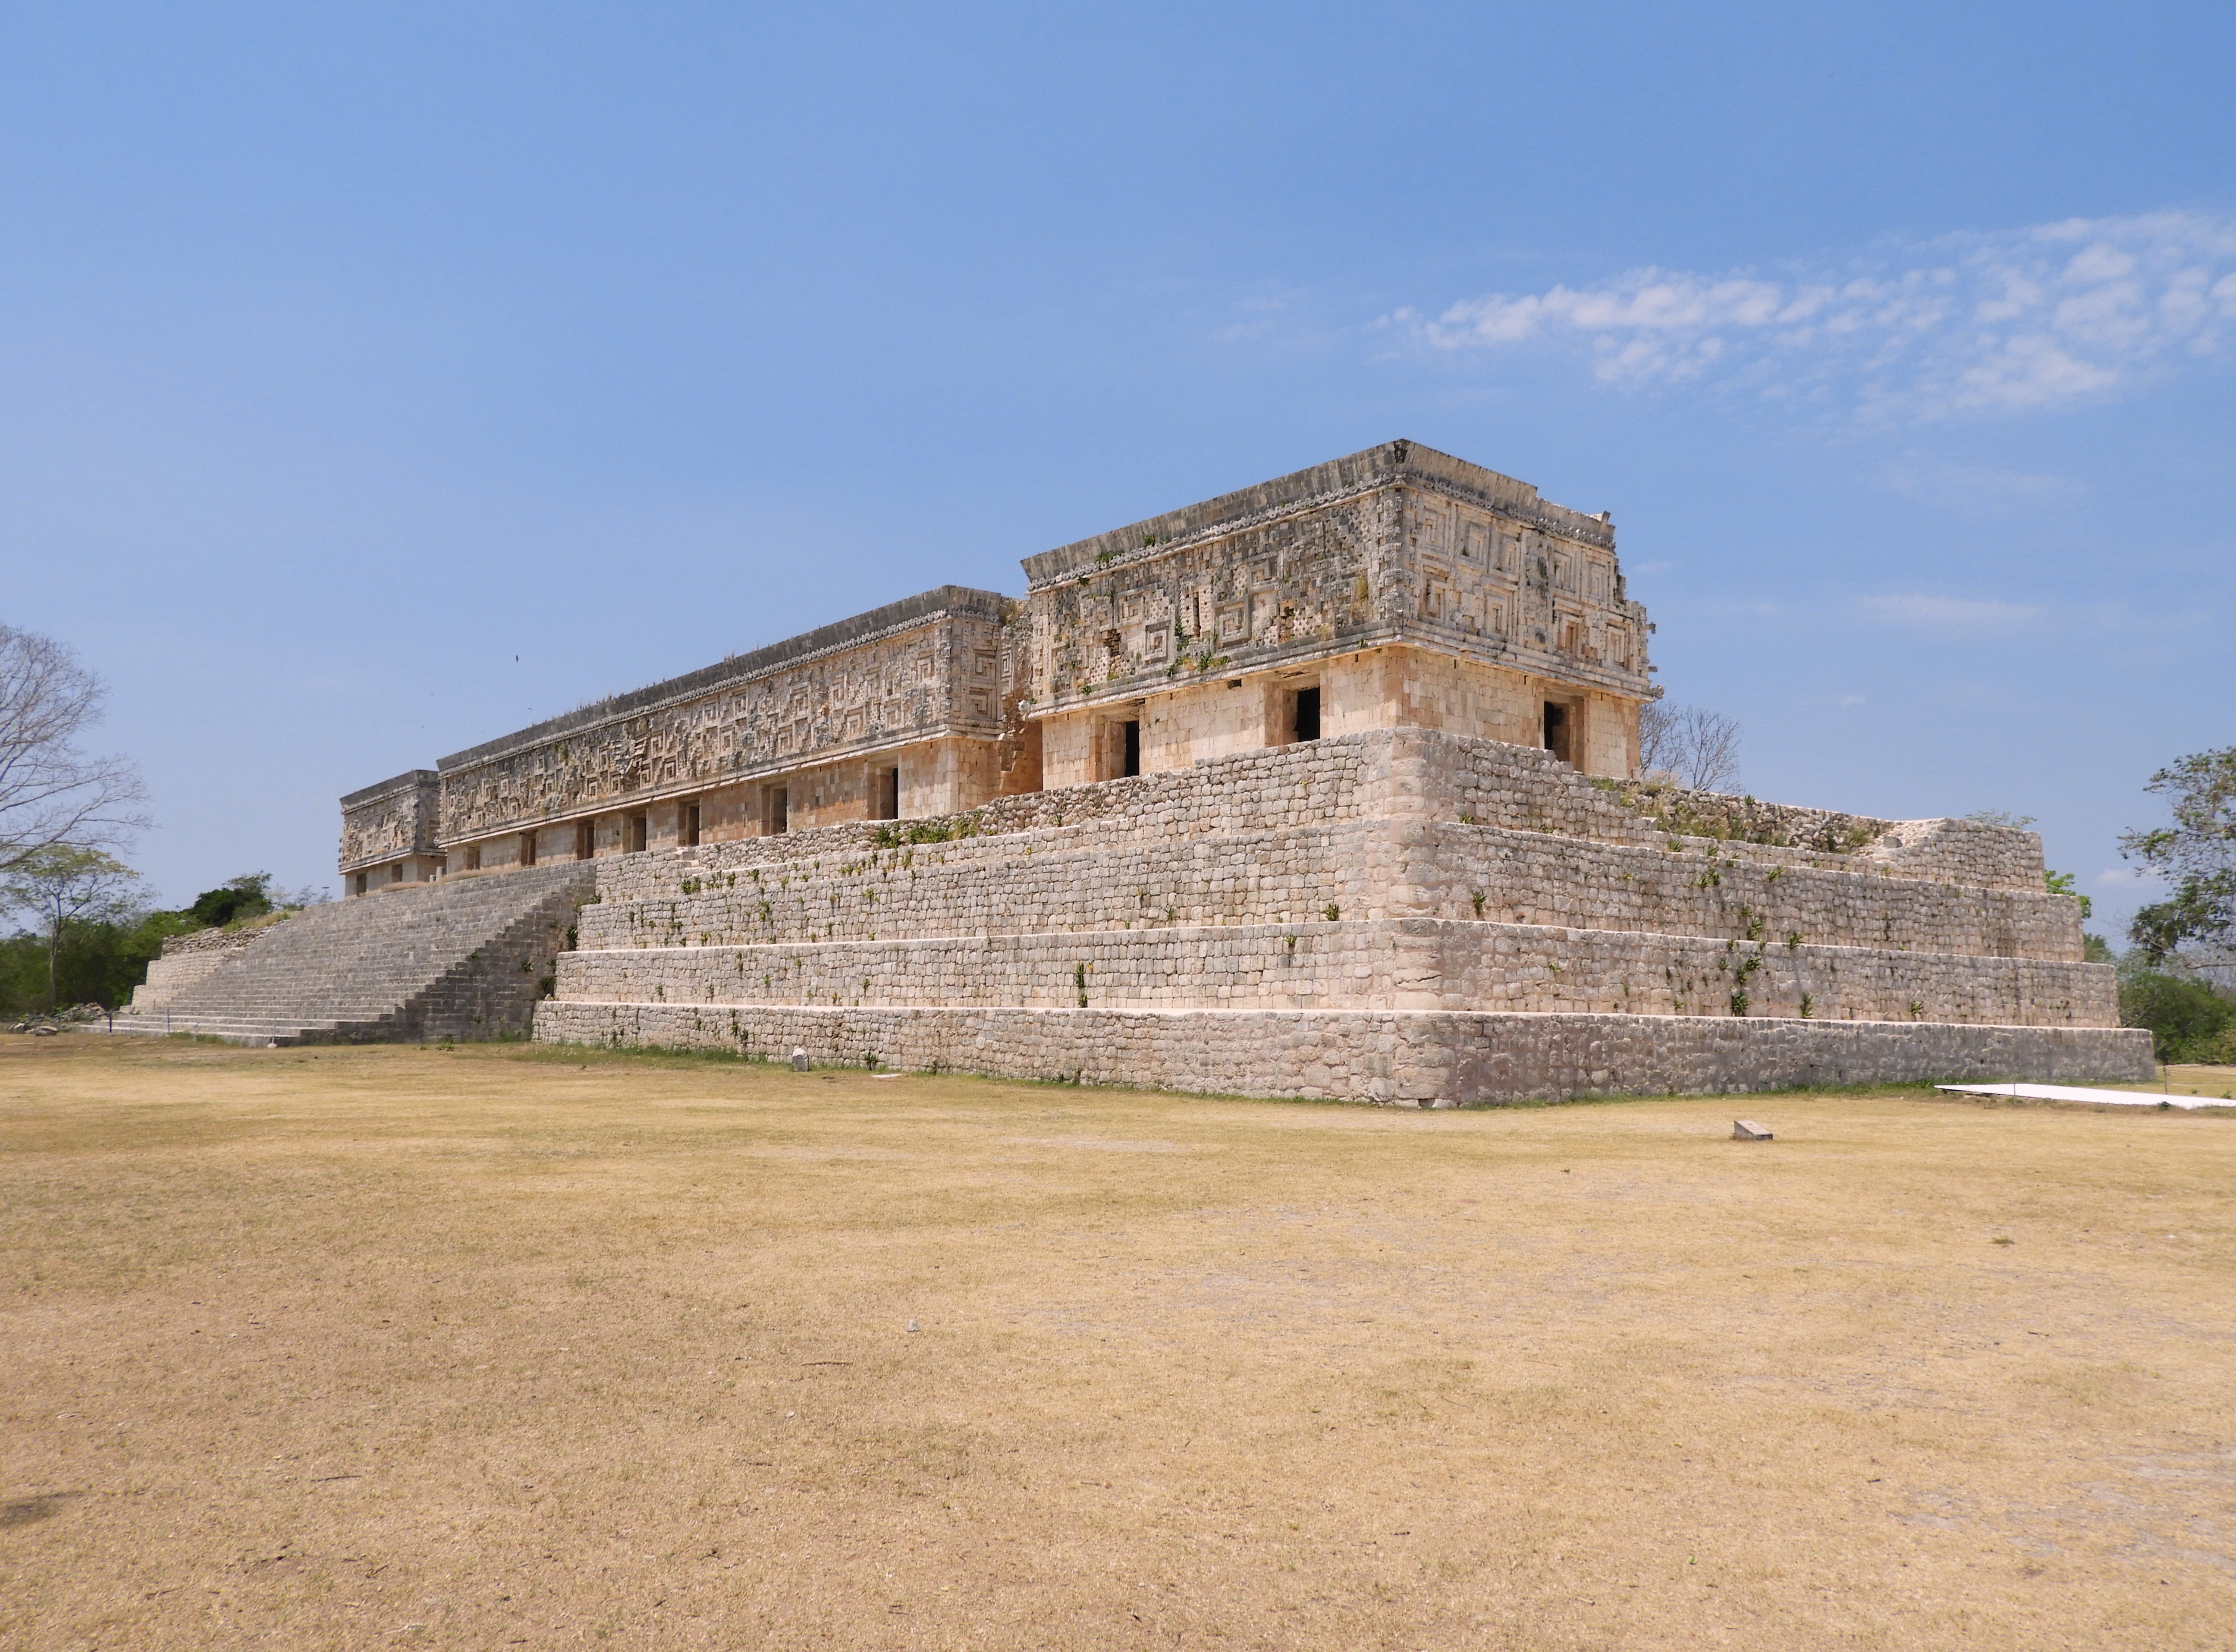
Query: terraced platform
point(1400, 916)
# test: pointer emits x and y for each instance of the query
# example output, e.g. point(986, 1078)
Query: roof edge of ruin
point(1358, 472)
point(923, 608)
point(405, 781)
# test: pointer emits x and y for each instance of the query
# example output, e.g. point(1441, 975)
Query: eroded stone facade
point(1399, 588)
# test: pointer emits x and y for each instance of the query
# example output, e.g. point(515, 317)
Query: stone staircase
point(466, 958)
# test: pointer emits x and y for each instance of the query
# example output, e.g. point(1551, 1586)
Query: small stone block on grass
point(1746, 1130)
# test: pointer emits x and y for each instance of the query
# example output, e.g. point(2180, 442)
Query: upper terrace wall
point(1399, 823)
point(929, 668)
point(1447, 778)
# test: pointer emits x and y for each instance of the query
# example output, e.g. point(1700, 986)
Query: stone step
point(462, 960)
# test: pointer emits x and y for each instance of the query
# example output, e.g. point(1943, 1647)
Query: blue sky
point(375, 379)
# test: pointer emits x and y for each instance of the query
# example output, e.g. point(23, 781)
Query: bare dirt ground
point(509, 1347)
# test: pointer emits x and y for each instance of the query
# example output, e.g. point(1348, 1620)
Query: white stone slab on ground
point(2075, 1093)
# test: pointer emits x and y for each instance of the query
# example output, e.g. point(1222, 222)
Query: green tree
point(2188, 1021)
point(246, 896)
point(65, 886)
point(2198, 852)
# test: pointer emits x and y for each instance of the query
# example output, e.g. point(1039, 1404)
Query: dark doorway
point(586, 840)
point(1307, 723)
point(779, 809)
point(687, 825)
point(1131, 763)
point(527, 848)
point(884, 794)
point(360, 883)
point(635, 829)
point(1556, 730)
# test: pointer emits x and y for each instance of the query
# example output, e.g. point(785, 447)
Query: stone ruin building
point(1328, 787)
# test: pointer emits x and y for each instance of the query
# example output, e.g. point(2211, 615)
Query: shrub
point(2188, 1021)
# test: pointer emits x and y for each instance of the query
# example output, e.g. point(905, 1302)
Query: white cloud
point(1977, 490)
point(1922, 612)
point(2125, 878)
point(1968, 325)
point(1851, 699)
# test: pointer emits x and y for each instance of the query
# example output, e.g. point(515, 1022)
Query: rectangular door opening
point(686, 824)
point(884, 794)
point(779, 810)
point(527, 848)
point(586, 840)
point(635, 829)
point(1557, 731)
point(1130, 761)
point(1304, 720)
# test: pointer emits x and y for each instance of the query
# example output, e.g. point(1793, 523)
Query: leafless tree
point(51, 792)
point(1687, 746)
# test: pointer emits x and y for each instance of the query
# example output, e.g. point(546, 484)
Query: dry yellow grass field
point(2190, 1078)
point(508, 1347)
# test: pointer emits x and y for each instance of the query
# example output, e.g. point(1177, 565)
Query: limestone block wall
point(1387, 965)
point(1407, 1058)
point(1412, 893)
point(1414, 688)
point(1703, 889)
point(1529, 791)
point(1057, 879)
point(185, 960)
point(1086, 877)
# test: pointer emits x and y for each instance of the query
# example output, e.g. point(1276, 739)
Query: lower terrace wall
point(1389, 1056)
point(1406, 965)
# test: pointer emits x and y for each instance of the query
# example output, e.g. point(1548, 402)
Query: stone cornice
point(863, 631)
point(1391, 464)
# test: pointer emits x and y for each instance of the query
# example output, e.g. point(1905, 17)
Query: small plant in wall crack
point(1333, 913)
point(1477, 897)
